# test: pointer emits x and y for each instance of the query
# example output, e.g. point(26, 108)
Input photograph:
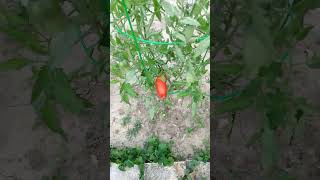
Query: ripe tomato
point(161, 87)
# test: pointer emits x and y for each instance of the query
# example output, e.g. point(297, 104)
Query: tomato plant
point(253, 67)
point(50, 29)
point(153, 37)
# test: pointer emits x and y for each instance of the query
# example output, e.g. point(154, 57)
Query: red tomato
point(161, 87)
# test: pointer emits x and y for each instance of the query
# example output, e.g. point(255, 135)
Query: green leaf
point(197, 9)
point(125, 98)
point(157, 9)
point(190, 21)
point(256, 54)
point(271, 73)
point(62, 43)
point(205, 26)
point(27, 39)
point(304, 5)
point(14, 64)
point(314, 62)
point(258, 48)
point(50, 118)
point(269, 149)
point(42, 82)
point(190, 75)
point(149, 78)
point(116, 70)
point(179, 53)
point(203, 47)
point(168, 7)
point(188, 32)
point(114, 81)
point(47, 15)
point(12, 19)
point(181, 37)
point(64, 94)
point(127, 90)
point(276, 108)
point(252, 89)
point(227, 69)
point(184, 93)
point(232, 105)
point(304, 32)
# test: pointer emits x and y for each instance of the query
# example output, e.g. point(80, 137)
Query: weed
point(154, 151)
point(133, 132)
point(189, 130)
point(200, 155)
point(126, 120)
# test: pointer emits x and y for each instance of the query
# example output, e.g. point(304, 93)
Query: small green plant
point(200, 155)
point(126, 120)
point(189, 130)
point(154, 151)
point(133, 132)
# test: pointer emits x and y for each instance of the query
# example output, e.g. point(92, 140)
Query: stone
point(154, 171)
point(130, 173)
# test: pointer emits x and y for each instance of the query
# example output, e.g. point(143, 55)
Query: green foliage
point(154, 151)
point(232, 105)
point(46, 15)
point(200, 155)
point(14, 64)
point(63, 93)
point(127, 91)
point(263, 67)
point(126, 120)
point(133, 132)
point(187, 39)
point(52, 87)
point(157, 9)
point(45, 28)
